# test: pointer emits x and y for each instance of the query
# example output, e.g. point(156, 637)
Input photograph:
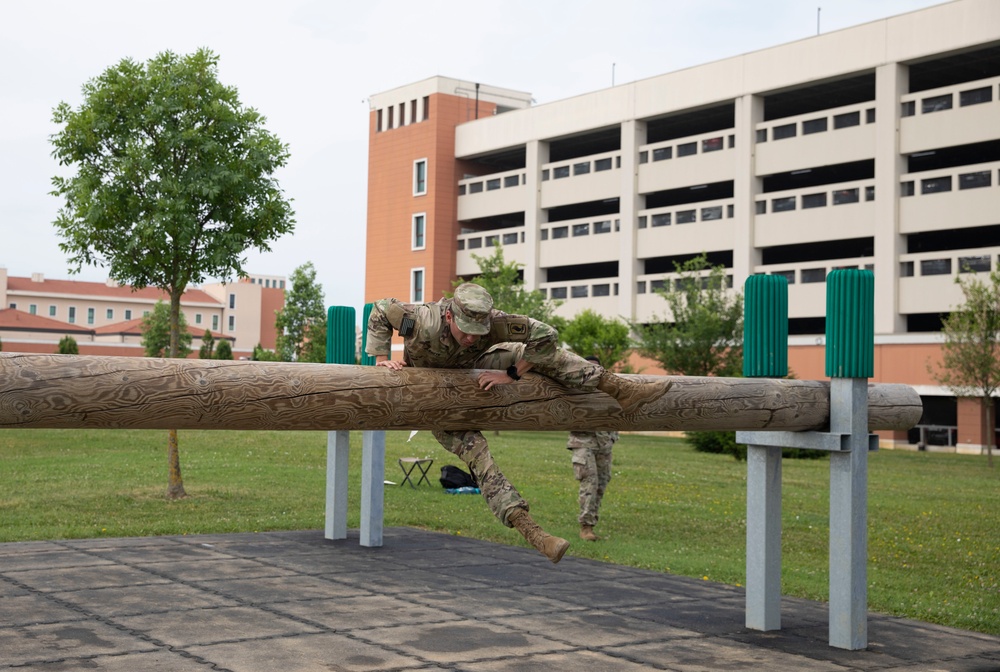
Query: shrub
point(724, 442)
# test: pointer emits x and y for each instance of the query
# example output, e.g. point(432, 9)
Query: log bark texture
point(69, 391)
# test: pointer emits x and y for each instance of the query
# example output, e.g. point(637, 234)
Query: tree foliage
point(207, 349)
point(301, 324)
point(590, 333)
point(261, 354)
point(67, 346)
point(704, 336)
point(224, 350)
point(174, 181)
point(156, 333)
point(503, 281)
point(970, 355)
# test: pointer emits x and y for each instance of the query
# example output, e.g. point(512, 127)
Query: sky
point(309, 67)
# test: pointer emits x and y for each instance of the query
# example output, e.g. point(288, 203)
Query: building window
point(906, 188)
point(417, 285)
point(560, 172)
point(761, 135)
point(814, 200)
point(842, 196)
point(661, 219)
point(644, 157)
point(982, 178)
point(128, 315)
point(13, 306)
point(813, 275)
point(687, 216)
point(413, 110)
point(427, 108)
point(870, 115)
point(419, 231)
point(935, 104)
point(52, 311)
point(814, 126)
point(419, 177)
point(602, 227)
point(935, 267)
point(402, 114)
point(976, 96)
point(110, 314)
point(663, 153)
point(90, 315)
point(976, 264)
point(687, 149)
point(710, 213)
point(215, 322)
point(197, 318)
point(908, 109)
point(378, 121)
point(642, 222)
point(72, 314)
point(560, 232)
point(782, 132)
point(712, 145)
point(388, 123)
point(581, 168)
point(232, 301)
point(493, 185)
point(783, 204)
point(846, 120)
point(760, 207)
point(232, 323)
point(32, 309)
point(935, 185)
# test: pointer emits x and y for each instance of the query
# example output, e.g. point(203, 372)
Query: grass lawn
point(934, 526)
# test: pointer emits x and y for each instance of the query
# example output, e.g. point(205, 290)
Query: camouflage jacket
point(430, 343)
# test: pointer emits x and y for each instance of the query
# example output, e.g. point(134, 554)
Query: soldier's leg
point(471, 447)
point(602, 462)
point(585, 470)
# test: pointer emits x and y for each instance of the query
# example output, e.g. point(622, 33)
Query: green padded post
point(340, 335)
point(850, 324)
point(765, 326)
point(366, 359)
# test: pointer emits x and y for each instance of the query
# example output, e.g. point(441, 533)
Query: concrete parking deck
point(294, 601)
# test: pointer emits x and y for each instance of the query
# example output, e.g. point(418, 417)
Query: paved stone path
point(294, 601)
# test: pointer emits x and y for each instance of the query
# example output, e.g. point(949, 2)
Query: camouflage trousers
point(592, 468)
point(470, 445)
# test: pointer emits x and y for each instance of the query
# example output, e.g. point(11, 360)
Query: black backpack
point(453, 478)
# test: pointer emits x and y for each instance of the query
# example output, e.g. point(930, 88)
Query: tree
point(705, 336)
point(301, 324)
point(504, 283)
point(207, 349)
point(67, 346)
point(970, 354)
point(592, 334)
point(224, 350)
point(156, 333)
point(174, 182)
point(260, 354)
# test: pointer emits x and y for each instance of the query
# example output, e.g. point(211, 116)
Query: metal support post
point(337, 453)
point(849, 516)
point(763, 595)
point(372, 486)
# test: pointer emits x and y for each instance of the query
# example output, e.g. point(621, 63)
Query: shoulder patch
point(509, 328)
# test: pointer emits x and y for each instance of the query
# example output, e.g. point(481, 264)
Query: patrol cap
point(471, 306)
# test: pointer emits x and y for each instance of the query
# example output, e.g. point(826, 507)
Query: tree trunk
point(990, 433)
point(64, 391)
point(175, 484)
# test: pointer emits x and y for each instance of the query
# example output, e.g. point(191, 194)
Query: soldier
point(592, 468)
point(465, 332)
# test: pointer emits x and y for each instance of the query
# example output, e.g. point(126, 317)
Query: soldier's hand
point(393, 364)
point(488, 379)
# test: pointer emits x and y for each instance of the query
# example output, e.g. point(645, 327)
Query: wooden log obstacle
point(94, 392)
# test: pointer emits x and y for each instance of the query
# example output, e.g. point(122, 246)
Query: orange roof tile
point(82, 288)
point(12, 319)
point(134, 328)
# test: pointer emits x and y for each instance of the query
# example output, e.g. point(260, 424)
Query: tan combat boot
point(587, 533)
point(630, 394)
point(551, 547)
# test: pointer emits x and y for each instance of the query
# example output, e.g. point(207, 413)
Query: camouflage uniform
point(428, 343)
point(592, 466)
